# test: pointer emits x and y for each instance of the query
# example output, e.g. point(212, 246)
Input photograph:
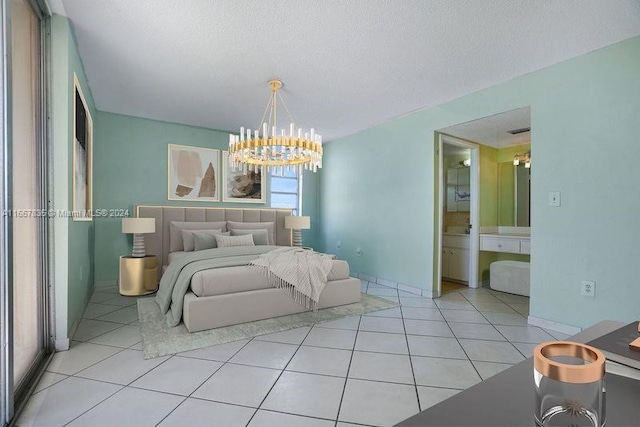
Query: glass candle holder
point(569, 384)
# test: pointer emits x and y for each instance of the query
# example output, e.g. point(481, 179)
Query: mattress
point(227, 280)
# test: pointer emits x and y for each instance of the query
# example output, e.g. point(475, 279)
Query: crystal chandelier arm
point(286, 108)
point(266, 110)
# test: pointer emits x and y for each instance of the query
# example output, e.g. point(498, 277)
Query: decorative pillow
point(260, 237)
point(205, 240)
point(176, 227)
point(229, 241)
point(187, 237)
point(269, 226)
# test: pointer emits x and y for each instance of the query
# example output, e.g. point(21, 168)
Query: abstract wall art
point(82, 141)
point(241, 186)
point(193, 174)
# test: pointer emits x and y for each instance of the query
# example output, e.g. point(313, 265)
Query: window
point(286, 190)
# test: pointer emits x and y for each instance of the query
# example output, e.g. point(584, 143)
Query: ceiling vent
point(517, 131)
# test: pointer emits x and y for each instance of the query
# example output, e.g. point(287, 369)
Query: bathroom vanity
point(455, 256)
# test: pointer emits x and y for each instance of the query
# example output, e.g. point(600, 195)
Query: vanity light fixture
point(527, 160)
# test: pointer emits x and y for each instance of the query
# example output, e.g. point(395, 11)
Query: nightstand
point(138, 275)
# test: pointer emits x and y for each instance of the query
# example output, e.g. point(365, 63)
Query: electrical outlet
point(359, 251)
point(554, 198)
point(588, 288)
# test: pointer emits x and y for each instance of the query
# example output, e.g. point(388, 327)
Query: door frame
point(474, 214)
point(12, 399)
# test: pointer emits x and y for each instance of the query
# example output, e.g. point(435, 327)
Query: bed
point(236, 294)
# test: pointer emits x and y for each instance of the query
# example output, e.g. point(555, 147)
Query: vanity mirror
point(514, 195)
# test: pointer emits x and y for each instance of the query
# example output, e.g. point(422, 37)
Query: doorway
point(457, 235)
point(23, 229)
point(504, 209)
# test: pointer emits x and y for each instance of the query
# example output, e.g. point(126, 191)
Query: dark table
point(507, 398)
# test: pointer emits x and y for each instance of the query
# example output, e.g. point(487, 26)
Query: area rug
point(158, 339)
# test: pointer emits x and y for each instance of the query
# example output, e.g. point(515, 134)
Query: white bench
point(510, 276)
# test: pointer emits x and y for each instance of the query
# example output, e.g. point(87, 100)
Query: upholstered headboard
point(158, 242)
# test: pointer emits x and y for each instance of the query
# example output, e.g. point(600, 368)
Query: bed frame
point(201, 313)
point(158, 243)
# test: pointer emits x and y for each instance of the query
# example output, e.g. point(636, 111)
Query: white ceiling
point(493, 130)
point(346, 64)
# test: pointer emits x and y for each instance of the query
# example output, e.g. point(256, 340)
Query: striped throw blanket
point(301, 273)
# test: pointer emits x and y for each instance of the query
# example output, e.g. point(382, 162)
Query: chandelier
point(273, 148)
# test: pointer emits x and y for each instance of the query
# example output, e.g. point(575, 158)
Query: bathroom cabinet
point(455, 257)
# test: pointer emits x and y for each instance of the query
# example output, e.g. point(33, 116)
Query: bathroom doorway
point(502, 228)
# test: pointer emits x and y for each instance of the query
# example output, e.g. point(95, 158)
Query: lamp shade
point(297, 222)
point(138, 225)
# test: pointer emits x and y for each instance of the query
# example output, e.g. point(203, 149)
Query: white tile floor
point(376, 369)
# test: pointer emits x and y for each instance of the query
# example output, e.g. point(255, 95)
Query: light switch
point(554, 198)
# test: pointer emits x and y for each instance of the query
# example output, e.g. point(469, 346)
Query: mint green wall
point(131, 168)
point(73, 240)
point(377, 186)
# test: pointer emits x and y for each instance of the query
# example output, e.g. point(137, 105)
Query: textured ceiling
point(346, 64)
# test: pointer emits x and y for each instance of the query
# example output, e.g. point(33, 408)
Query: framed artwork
point(193, 174)
point(239, 187)
point(82, 141)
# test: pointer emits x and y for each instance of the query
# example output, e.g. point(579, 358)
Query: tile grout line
point(279, 376)
point(459, 343)
point(508, 340)
point(346, 379)
point(413, 373)
point(191, 394)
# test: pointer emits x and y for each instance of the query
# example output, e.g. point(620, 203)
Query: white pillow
point(229, 241)
point(187, 237)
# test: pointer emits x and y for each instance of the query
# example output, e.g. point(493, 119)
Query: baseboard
point(394, 285)
point(554, 326)
point(367, 278)
point(62, 345)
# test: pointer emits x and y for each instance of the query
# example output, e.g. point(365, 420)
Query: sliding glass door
point(24, 203)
